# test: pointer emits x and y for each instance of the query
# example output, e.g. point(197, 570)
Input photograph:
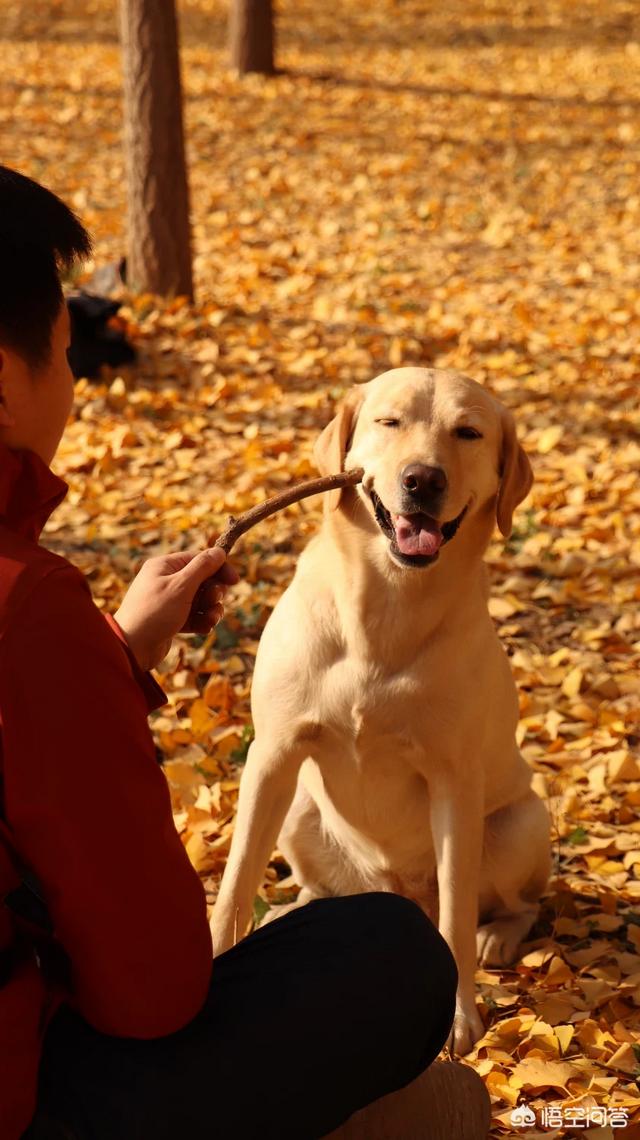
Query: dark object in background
point(108, 279)
point(251, 36)
point(93, 343)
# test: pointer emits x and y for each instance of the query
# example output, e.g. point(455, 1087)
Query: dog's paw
point(497, 943)
point(467, 1028)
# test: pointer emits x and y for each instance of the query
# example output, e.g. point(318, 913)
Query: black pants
point(307, 1020)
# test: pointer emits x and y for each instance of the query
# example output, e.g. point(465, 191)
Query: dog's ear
point(333, 443)
point(516, 475)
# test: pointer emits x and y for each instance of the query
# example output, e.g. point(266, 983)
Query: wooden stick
point(237, 526)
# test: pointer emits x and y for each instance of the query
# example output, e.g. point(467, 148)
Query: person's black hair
point(40, 238)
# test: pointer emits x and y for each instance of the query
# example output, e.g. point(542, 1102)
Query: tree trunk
point(251, 36)
point(159, 245)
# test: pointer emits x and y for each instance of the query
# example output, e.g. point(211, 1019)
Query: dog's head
point(436, 449)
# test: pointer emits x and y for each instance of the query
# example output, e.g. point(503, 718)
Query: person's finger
point(202, 622)
point(163, 565)
point(202, 566)
point(172, 562)
point(198, 621)
point(207, 596)
point(197, 624)
point(225, 577)
point(212, 616)
point(227, 574)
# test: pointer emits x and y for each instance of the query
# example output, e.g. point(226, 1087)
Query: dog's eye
point(468, 433)
point(388, 422)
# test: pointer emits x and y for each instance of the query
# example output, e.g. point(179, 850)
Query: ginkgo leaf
point(536, 1073)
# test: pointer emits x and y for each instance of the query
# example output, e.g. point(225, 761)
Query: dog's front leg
point(266, 790)
point(457, 827)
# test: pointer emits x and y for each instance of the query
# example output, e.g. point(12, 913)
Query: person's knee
point(420, 975)
point(392, 933)
point(409, 972)
point(402, 927)
point(397, 948)
point(383, 975)
point(422, 946)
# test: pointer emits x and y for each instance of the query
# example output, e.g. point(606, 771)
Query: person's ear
point(333, 443)
point(516, 475)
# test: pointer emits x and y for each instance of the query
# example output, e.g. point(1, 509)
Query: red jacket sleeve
point(153, 694)
point(90, 814)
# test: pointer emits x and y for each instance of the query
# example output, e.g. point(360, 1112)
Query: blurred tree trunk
point(251, 36)
point(159, 245)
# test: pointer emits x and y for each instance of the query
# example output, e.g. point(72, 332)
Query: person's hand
point(173, 593)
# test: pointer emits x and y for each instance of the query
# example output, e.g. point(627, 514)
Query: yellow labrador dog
point(383, 703)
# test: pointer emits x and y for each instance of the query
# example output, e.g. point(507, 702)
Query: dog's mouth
point(415, 539)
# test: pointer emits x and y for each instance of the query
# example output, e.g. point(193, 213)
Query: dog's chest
point(366, 709)
point(367, 776)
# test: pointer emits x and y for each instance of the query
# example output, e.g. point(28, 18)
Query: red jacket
point(84, 807)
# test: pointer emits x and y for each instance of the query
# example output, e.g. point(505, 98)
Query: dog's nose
point(420, 480)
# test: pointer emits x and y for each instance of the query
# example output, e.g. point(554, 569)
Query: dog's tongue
point(417, 534)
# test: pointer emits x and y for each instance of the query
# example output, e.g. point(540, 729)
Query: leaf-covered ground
point(452, 185)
